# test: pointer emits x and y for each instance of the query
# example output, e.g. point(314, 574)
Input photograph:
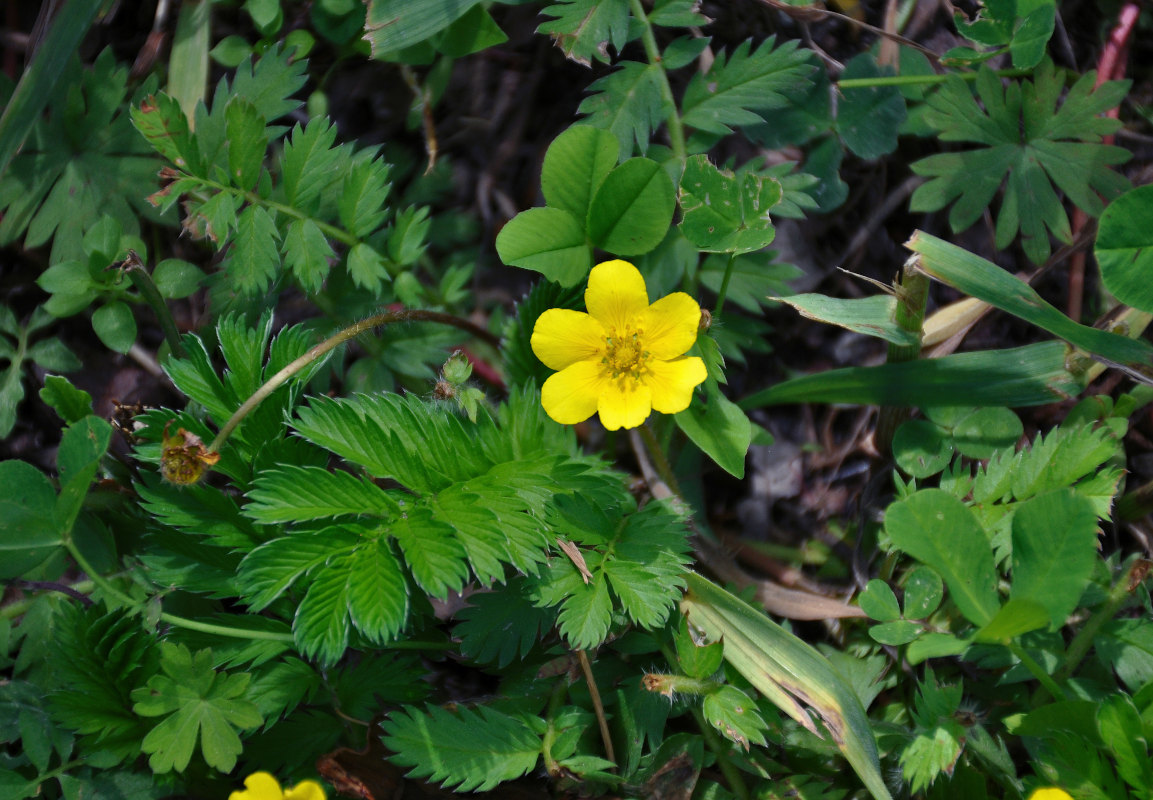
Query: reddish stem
point(1111, 66)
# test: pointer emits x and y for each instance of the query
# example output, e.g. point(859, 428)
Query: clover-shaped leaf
point(194, 701)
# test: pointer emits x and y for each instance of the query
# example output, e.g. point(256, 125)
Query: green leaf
point(985, 431)
point(37, 84)
point(1054, 550)
point(895, 633)
point(27, 533)
point(195, 701)
point(1026, 143)
point(393, 25)
point(1124, 248)
point(550, 241)
point(362, 207)
point(102, 657)
point(67, 278)
point(1032, 35)
point(270, 569)
point(940, 531)
point(115, 325)
point(734, 714)
point(377, 593)
point(246, 143)
point(70, 403)
point(177, 279)
point(720, 428)
point(1123, 733)
point(366, 267)
point(984, 280)
point(868, 118)
point(160, 120)
point(788, 672)
point(696, 660)
point(879, 602)
point(308, 254)
point(724, 213)
point(54, 355)
point(631, 211)
point(321, 625)
point(310, 164)
point(270, 83)
point(628, 103)
point(584, 29)
point(254, 259)
point(292, 494)
point(1025, 376)
point(575, 165)
point(739, 86)
point(473, 32)
point(871, 316)
point(923, 592)
point(1018, 616)
point(921, 449)
point(469, 750)
point(500, 627)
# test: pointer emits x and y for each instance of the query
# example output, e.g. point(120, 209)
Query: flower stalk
point(331, 343)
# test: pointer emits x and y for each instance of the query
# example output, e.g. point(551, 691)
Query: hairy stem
point(598, 706)
point(171, 619)
point(1122, 589)
point(912, 293)
point(724, 290)
point(923, 80)
point(334, 341)
point(1038, 672)
point(673, 121)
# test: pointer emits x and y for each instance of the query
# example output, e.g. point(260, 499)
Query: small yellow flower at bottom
point(262, 786)
point(622, 359)
point(1050, 793)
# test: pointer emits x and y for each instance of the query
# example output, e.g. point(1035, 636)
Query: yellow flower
point(262, 786)
point(623, 358)
point(1050, 793)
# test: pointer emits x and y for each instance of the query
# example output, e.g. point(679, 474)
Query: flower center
point(624, 354)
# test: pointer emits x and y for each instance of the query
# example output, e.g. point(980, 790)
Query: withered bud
point(184, 459)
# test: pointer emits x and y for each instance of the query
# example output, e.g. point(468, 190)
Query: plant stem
point(151, 294)
point(660, 460)
point(719, 748)
point(1038, 671)
point(1079, 647)
point(724, 290)
point(18, 608)
point(673, 121)
point(351, 332)
point(728, 769)
point(923, 80)
point(598, 706)
point(912, 293)
point(171, 619)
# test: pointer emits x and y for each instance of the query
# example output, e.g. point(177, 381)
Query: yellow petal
point(671, 325)
point(570, 396)
point(616, 294)
point(672, 382)
point(562, 337)
point(1050, 793)
point(625, 403)
point(305, 790)
point(259, 786)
